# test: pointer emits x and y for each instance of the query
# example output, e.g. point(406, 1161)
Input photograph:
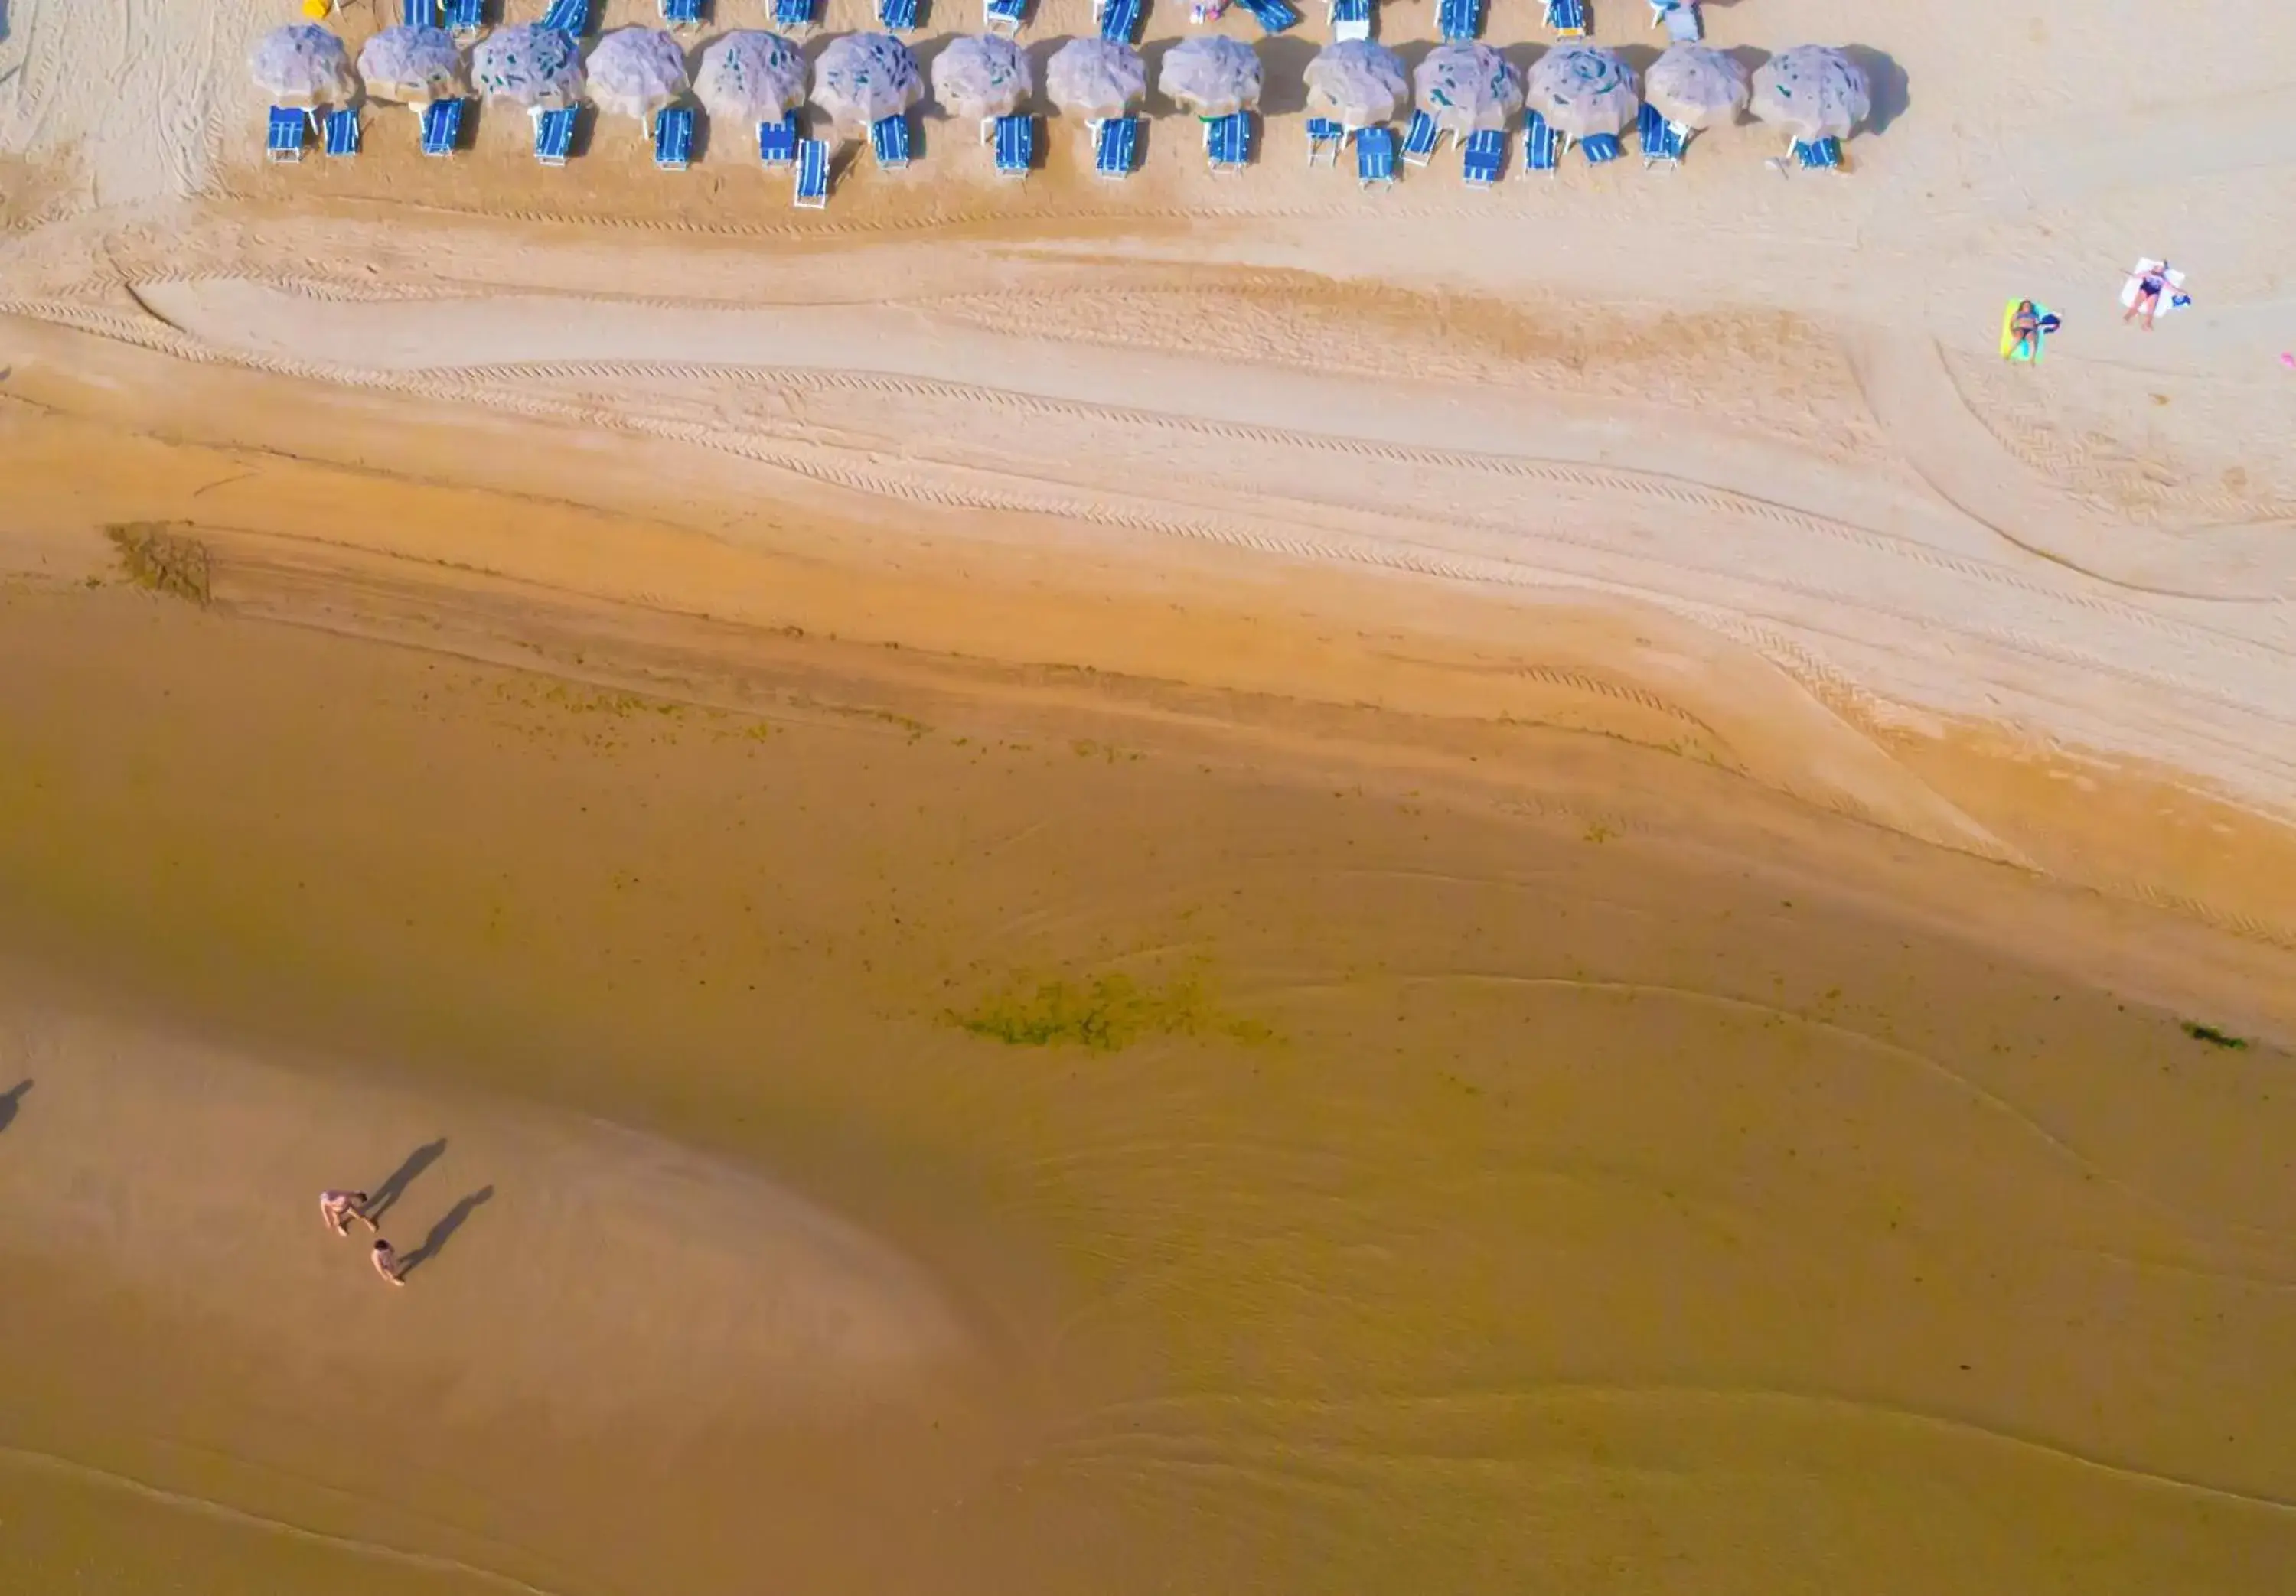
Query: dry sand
point(1649, 820)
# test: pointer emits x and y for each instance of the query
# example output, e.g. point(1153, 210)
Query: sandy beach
point(1218, 884)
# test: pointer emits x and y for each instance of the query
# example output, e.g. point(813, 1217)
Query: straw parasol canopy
point(1211, 76)
point(413, 66)
point(1818, 92)
point(1467, 88)
point(980, 76)
point(538, 68)
point(1096, 78)
point(1583, 90)
point(1696, 86)
point(750, 77)
point(1358, 82)
point(865, 77)
point(637, 71)
point(303, 66)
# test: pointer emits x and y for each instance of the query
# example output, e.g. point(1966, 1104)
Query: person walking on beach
point(338, 1209)
point(385, 1262)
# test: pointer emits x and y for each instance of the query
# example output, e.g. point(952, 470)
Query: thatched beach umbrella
point(538, 68)
point(1467, 88)
point(636, 72)
point(1696, 86)
point(865, 77)
point(1815, 92)
point(412, 66)
point(981, 75)
point(1583, 90)
point(750, 77)
point(1096, 78)
point(303, 66)
point(1358, 82)
point(1211, 76)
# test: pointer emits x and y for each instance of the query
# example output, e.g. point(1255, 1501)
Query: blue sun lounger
point(1350, 19)
point(1458, 21)
point(673, 138)
point(1483, 157)
point(1006, 17)
point(812, 193)
point(1542, 147)
point(1274, 16)
point(1116, 147)
point(1324, 137)
point(1119, 20)
point(553, 136)
point(282, 137)
point(898, 16)
point(1016, 145)
point(1601, 149)
point(1227, 142)
point(889, 142)
point(1817, 155)
point(1567, 18)
point(1375, 156)
point(567, 16)
point(339, 132)
point(682, 13)
point(418, 13)
point(1421, 139)
point(777, 140)
point(466, 17)
point(1661, 140)
point(442, 126)
point(793, 16)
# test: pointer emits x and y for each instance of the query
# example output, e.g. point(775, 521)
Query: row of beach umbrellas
point(1582, 90)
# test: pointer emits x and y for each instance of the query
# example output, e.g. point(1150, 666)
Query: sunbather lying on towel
point(2149, 286)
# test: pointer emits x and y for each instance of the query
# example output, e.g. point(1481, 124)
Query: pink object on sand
point(2288, 360)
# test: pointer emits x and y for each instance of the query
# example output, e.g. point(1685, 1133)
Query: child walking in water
point(338, 1209)
point(385, 1262)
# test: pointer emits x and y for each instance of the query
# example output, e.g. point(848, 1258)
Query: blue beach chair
point(812, 193)
point(1227, 142)
point(1601, 149)
point(553, 136)
point(898, 16)
point(442, 126)
point(1458, 21)
point(1016, 145)
point(1274, 16)
point(673, 138)
point(1421, 139)
point(567, 16)
point(1483, 157)
point(340, 132)
point(1661, 140)
point(1116, 147)
point(793, 16)
point(777, 140)
point(1119, 20)
point(1350, 19)
point(1567, 18)
point(1542, 147)
point(1817, 155)
point(1375, 156)
point(682, 13)
point(466, 17)
point(1324, 137)
point(282, 137)
point(418, 13)
point(1006, 17)
point(889, 142)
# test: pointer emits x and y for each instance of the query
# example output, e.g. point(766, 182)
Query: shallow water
point(1461, 1195)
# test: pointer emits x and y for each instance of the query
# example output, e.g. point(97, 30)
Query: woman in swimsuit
point(385, 1262)
point(2150, 287)
point(2025, 327)
point(338, 1209)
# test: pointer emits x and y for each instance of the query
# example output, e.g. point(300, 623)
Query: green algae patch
point(1104, 1014)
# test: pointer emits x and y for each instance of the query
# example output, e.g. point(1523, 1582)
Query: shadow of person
point(394, 1185)
point(11, 1100)
point(443, 1231)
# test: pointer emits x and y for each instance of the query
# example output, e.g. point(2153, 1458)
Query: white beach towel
point(2174, 300)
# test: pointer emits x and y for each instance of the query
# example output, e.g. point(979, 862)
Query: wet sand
point(1461, 1152)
